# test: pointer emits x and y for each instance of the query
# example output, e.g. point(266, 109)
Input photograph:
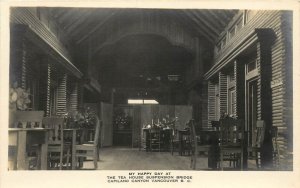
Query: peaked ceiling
point(141, 48)
point(81, 23)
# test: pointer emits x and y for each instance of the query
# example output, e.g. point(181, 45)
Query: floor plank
point(118, 158)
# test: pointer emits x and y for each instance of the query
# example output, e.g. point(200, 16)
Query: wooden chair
point(215, 124)
point(231, 142)
point(196, 145)
point(57, 149)
point(174, 141)
point(90, 149)
point(259, 139)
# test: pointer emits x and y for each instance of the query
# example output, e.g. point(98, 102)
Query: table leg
point(180, 144)
point(21, 153)
point(44, 153)
point(73, 149)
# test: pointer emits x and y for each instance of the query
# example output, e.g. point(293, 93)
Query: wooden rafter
point(64, 17)
point(189, 23)
point(212, 20)
point(206, 23)
point(199, 26)
point(224, 16)
point(80, 18)
point(99, 25)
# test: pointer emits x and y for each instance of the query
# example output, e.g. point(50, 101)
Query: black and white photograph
point(159, 94)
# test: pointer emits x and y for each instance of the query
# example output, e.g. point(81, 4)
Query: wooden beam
point(99, 25)
point(212, 20)
point(65, 15)
point(196, 24)
point(76, 21)
point(217, 17)
point(224, 16)
point(182, 21)
point(188, 23)
point(203, 21)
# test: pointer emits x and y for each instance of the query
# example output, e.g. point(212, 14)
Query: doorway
point(251, 109)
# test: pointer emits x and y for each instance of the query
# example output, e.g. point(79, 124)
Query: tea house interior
point(150, 89)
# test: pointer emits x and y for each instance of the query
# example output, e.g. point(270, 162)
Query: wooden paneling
point(107, 119)
point(146, 115)
point(287, 77)
point(184, 114)
point(147, 23)
point(273, 60)
point(263, 19)
point(137, 126)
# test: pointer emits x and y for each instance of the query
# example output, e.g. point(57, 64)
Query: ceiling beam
point(224, 15)
point(200, 28)
point(77, 21)
point(201, 22)
point(99, 25)
point(65, 14)
point(217, 18)
point(189, 23)
point(206, 15)
point(175, 15)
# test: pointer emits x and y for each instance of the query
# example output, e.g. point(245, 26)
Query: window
point(150, 102)
point(142, 101)
point(251, 66)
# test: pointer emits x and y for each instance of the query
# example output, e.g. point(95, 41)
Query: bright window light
point(135, 101)
point(141, 101)
point(150, 102)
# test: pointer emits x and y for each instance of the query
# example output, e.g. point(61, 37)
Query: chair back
point(56, 124)
point(259, 133)
point(29, 119)
point(232, 132)
point(97, 130)
point(193, 136)
point(215, 124)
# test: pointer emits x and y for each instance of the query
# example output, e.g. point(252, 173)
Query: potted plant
point(18, 100)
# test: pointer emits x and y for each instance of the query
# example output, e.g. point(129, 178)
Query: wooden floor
point(118, 158)
point(133, 159)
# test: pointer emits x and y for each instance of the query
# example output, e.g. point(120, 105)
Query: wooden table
point(211, 137)
point(20, 137)
point(165, 134)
